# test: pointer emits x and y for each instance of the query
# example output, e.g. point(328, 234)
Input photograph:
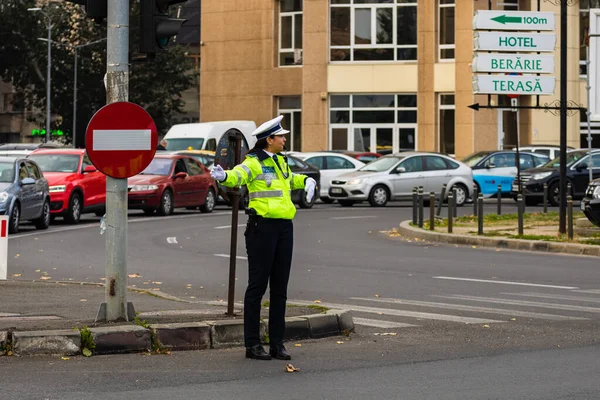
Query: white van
point(206, 135)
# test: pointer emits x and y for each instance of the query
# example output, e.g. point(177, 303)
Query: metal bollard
point(499, 211)
point(545, 198)
point(442, 197)
point(474, 197)
point(480, 214)
point(570, 217)
point(520, 213)
point(568, 188)
point(450, 205)
point(420, 206)
point(455, 208)
point(432, 211)
point(414, 205)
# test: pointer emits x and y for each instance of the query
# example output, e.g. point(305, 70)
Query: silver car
point(394, 176)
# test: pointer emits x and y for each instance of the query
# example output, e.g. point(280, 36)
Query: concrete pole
point(49, 68)
point(117, 89)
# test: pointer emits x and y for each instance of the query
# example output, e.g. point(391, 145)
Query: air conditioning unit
point(297, 56)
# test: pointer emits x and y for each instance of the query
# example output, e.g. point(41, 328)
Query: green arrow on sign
point(504, 19)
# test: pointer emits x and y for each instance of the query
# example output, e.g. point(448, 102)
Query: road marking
point(400, 313)
point(2, 314)
point(523, 303)
point(226, 226)
point(355, 217)
point(227, 256)
point(593, 291)
point(376, 323)
point(172, 240)
point(504, 282)
point(556, 297)
point(460, 307)
point(31, 318)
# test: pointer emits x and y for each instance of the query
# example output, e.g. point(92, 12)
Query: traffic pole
point(3, 247)
point(234, 195)
point(117, 89)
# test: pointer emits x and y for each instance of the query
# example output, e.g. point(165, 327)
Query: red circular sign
point(513, 96)
point(121, 139)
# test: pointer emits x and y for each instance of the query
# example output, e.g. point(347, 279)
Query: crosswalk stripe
point(593, 291)
point(461, 307)
point(401, 313)
point(504, 282)
point(2, 314)
point(522, 303)
point(376, 323)
point(556, 297)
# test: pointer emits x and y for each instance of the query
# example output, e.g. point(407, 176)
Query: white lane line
point(3, 314)
point(355, 217)
point(460, 307)
point(593, 291)
point(504, 282)
point(400, 313)
point(226, 226)
point(172, 240)
point(227, 256)
point(523, 303)
point(556, 297)
point(376, 323)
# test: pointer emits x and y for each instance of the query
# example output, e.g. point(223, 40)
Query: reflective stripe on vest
point(239, 179)
point(265, 193)
point(245, 168)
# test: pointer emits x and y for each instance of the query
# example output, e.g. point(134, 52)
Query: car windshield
point(158, 166)
point(381, 164)
point(56, 162)
point(185, 144)
point(473, 159)
point(572, 158)
point(7, 172)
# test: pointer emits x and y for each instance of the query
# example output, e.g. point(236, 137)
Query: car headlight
point(57, 189)
point(596, 193)
point(143, 188)
point(541, 175)
point(357, 181)
point(3, 197)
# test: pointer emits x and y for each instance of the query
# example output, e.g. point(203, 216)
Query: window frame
point(442, 107)
point(439, 32)
point(281, 50)
point(292, 135)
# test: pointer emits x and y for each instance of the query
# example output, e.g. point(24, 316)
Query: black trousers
point(269, 244)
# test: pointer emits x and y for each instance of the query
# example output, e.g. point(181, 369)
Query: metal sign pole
point(562, 227)
point(234, 195)
point(515, 104)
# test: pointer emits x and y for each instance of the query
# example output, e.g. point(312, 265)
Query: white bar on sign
point(514, 41)
point(594, 66)
point(514, 20)
point(521, 63)
point(513, 84)
point(122, 139)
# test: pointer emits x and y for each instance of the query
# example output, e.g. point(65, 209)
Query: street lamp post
point(49, 26)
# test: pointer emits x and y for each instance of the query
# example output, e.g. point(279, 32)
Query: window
point(584, 26)
point(373, 30)
point(413, 164)
point(86, 162)
point(446, 17)
point(526, 161)
point(179, 167)
point(502, 160)
point(211, 144)
point(6, 102)
point(446, 123)
point(23, 173)
point(290, 32)
point(435, 163)
point(34, 171)
point(317, 162)
point(583, 130)
point(291, 109)
point(338, 163)
point(192, 167)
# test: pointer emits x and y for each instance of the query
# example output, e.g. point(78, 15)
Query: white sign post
point(3, 247)
point(593, 68)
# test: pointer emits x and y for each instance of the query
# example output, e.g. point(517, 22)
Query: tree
point(156, 86)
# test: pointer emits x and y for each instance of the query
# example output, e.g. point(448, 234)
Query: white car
point(330, 165)
point(394, 176)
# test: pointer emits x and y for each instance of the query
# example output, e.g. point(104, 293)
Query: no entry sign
point(121, 139)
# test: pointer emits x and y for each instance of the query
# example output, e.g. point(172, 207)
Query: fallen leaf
point(192, 297)
point(41, 250)
point(37, 270)
point(157, 283)
point(45, 278)
point(156, 289)
point(317, 301)
point(102, 279)
point(10, 353)
point(16, 275)
point(54, 269)
point(86, 352)
point(513, 319)
point(82, 300)
point(486, 326)
point(377, 295)
point(201, 287)
point(380, 313)
point(291, 368)
point(298, 345)
point(65, 358)
point(385, 334)
point(474, 247)
point(134, 275)
point(340, 342)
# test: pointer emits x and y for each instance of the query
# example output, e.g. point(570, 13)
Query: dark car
point(24, 193)
point(590, 204)
point(533, 179)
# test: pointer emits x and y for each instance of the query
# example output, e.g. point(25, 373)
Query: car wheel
point(149, 211)
point(303, 202)
point(327, 200)
point(43, 222)
point(166, 203)
point(74, 212)
point(379, 196)
point(346, 203)
point(554, 194)
point(461, 194)
point(15, 218)
point(209, 203)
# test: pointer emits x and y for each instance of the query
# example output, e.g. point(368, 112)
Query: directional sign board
point(523, 63)
point(510, 41)
point(514, 20)
point(512, 84)
point(121, 139)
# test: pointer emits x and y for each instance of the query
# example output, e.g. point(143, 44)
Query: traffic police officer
point(269, 232)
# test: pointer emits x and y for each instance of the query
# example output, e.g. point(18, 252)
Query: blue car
point(24, 194)
point(493, 168)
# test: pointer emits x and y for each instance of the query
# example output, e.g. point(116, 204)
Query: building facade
point(376, 75)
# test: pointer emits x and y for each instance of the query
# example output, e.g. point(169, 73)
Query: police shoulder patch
point(268, 170)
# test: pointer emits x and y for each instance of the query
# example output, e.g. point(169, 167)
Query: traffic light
point(95, 9)
point(156, 26)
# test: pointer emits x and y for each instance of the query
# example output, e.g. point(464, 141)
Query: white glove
point(218, 173)
point(309, 188)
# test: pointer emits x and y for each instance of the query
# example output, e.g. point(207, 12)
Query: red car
point(170, 181)
point(76, 186)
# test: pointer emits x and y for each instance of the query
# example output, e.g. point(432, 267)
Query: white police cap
point(269, 128)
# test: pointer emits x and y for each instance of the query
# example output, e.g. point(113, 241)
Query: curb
point(165, 337)
point(514, 244)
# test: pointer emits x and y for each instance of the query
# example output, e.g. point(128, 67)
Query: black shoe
point(257, 352)
point(279, 352)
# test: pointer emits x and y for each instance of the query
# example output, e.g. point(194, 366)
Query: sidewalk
point(43, 318)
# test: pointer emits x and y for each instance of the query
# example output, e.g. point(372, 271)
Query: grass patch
point(321, 309)
point(87, 341)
